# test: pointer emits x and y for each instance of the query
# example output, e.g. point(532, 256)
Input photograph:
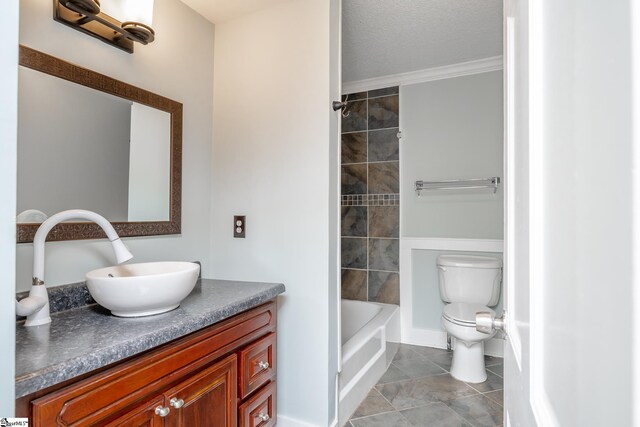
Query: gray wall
point(73, 147)
point(452, 129)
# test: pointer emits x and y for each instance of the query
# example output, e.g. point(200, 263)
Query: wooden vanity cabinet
point(220, 376)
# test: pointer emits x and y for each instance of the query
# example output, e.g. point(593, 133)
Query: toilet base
point(468, 362)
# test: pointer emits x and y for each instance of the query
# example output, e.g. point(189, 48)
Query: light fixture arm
point(85, 16)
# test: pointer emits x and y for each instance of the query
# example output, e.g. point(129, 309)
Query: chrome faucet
point(36, 305)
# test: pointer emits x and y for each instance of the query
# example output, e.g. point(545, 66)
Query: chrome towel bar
point(459, 184)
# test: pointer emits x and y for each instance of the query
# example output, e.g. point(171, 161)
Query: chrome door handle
point(263, 365)
point(263, 417)
point(487, 323)
point(163, 411)
point(176, 403)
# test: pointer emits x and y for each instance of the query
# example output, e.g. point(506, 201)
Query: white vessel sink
point(135, 290)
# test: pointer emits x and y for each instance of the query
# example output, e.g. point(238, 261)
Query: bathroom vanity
point(210, 362)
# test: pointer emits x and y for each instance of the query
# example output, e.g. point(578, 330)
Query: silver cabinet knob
point(163, 411)
point(487, 323)
point(263, 417)
point(176, 403)
point(263, 365)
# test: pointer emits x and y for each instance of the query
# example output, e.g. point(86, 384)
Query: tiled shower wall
point(370, 196)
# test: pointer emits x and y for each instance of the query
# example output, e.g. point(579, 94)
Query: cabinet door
point(208, 398)
point(142, 416)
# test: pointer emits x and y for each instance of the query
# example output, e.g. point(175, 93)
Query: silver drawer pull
point(263, 417)
point(263, 365)
point(176, 403)
point(163, 411)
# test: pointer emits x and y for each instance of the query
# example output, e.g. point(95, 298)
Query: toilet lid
point(464, 314)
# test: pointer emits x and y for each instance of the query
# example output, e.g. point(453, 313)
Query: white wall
point(169, 69)
point(87, 157)
point(150, 145)
point(8, 159)
point(451, 129)
point(272, 161)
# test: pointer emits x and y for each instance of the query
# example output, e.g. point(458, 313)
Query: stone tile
point(497, 369)
point(417, 392)
point(354, 284)
point(383, 92)
point(353, 221)
point(492, 383)
point(383, 112)
point(354, 179)
point(373, 404)
point(354, 147)
point(434, 415)
point(384, 287)
point(354, 96)
point(405, 352)
point(493, 360)
point(384, 221)
point(497, 396)
point(384, 254)
point(429, 352)
point(442, 359)
point(384, 178)
point(354, 252)
point(390, 419)
point(356, 116)
point(417, 368)
point(478, 410)
point(383, 145)
point(392, 374)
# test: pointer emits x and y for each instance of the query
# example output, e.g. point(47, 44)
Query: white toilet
point(469, 284)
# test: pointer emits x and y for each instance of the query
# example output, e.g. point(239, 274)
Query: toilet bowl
point(458, 319)
point(470, 284)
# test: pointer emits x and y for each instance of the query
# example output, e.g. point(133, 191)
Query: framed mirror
point(88, 141)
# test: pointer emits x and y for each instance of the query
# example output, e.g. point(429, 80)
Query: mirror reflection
point(83, 148)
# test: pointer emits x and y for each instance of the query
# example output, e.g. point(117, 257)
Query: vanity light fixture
point(119, 23)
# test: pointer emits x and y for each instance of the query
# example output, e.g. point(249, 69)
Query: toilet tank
point(470, 279)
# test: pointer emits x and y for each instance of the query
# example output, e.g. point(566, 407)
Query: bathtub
point(370, 335)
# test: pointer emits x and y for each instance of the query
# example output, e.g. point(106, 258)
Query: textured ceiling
point(384, 37)
point(218, 11)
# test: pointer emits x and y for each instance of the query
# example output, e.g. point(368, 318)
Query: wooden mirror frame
point(53, 66)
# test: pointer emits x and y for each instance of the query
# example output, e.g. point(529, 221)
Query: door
point(517, 218)
point(209, 398)
point(143, 416)
point(571, 289)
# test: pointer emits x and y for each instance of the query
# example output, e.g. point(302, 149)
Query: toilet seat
point(464, 314)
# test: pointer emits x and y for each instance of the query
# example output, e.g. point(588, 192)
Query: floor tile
point(384, 286)
point(493, 360)
point(497, 369)
point(406, 352)
point(492, 383)
point(442, 359)
point(434, 415)
point(390, 419)
point(354, 284)
point(393, 374)
point(354, 147)
point(410, 393)
point(416, 368)
point(478, 410)
point(497, 396)
point(429, 352)
point(373, 404)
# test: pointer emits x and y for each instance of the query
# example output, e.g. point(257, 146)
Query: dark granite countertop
point(84, 339)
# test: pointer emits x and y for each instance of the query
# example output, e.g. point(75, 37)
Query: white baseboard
point(284, 421)
point(438, 339)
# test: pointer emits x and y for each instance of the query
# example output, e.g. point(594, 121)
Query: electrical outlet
point(239, 226)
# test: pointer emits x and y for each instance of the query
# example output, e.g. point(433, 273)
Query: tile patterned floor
point(417, 390)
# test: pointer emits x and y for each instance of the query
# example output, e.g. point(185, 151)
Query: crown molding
point(485, 65)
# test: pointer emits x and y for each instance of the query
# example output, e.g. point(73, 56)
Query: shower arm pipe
point(36, 305)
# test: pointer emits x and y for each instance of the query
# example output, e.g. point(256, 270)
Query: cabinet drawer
point(257, 364)
point(260, 410)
